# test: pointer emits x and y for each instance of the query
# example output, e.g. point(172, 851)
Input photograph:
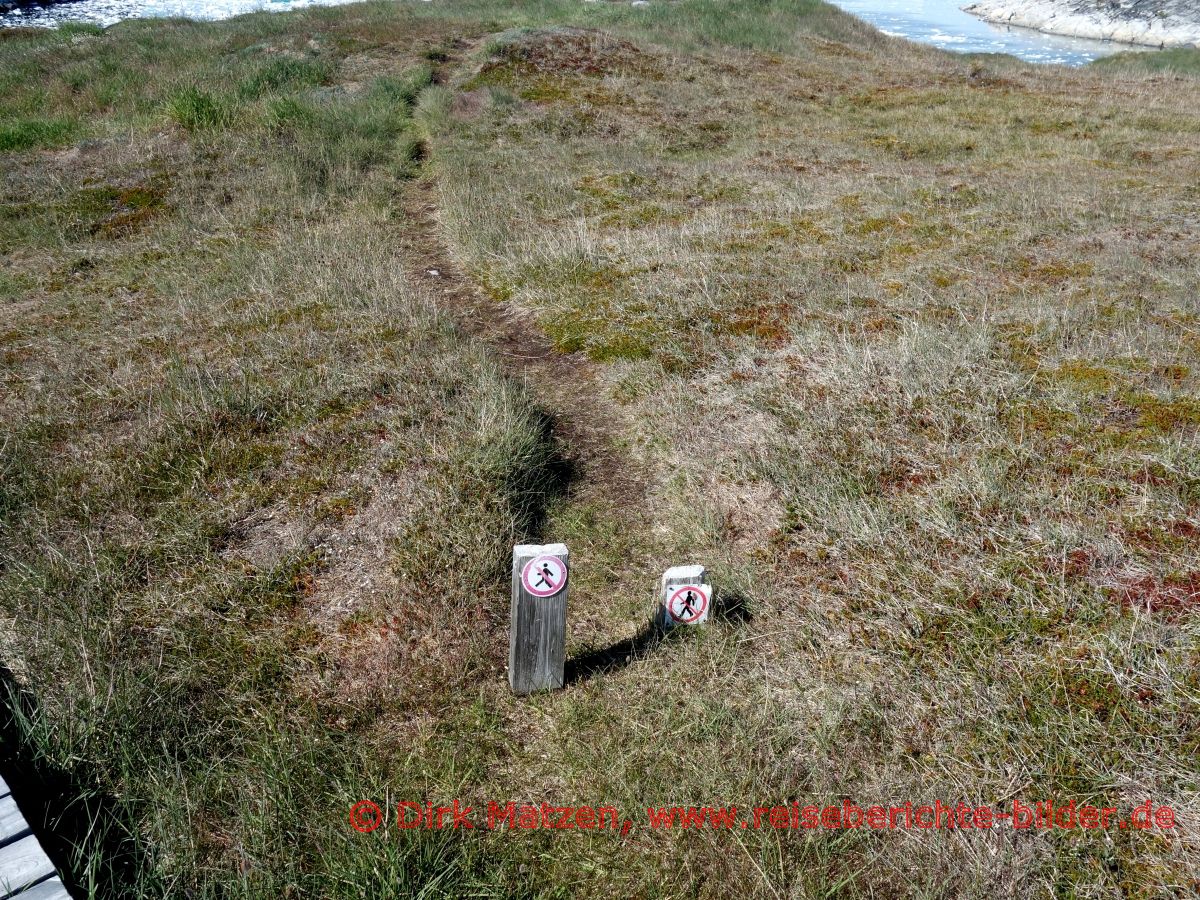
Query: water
point(937, 22)
point(107, 12)
point(943, 24)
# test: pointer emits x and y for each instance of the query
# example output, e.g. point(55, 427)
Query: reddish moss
point(1172, 372)
point(1173, 596)
point(767, 321)
point(128, 208)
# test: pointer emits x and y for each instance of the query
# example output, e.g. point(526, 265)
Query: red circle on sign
point(698, 613)
point(544, 576)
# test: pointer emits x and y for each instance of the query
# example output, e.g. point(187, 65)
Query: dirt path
point(565, 386)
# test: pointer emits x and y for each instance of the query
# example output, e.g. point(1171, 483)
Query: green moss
point(107, 210)
point(132, 207)
point(698, 138)
point(795, 228)
point(641, 215)
point(1039, 418)
point(1051, 272)
point(1163, 415)
point(601, 339)
point(11, 286)
point(1085, 375)
point(614, 190)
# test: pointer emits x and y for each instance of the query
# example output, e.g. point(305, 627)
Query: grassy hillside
point(309, 317)
point(1179, 60)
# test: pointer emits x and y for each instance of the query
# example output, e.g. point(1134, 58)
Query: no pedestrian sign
point(544, 576)
point(688, 604)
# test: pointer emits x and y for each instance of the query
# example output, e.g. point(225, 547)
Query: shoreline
point(1174, 23)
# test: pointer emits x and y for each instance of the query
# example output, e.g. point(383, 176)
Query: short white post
point(685, 598)
point(537, 639)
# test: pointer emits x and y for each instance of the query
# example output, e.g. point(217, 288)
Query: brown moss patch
point(765, 321)
point(1173, 596)
point(123, 210)
point(568, 51)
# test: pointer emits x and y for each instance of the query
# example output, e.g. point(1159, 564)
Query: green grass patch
point(197, 110)
point(1175, 60)
point(30, 134)
point(285, 75)
point(336, 139)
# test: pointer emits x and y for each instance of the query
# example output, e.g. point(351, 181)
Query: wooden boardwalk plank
point(21, 864)
point(51, 889)
point(12, 823)
point(25, 869)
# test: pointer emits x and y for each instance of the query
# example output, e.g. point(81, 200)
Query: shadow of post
point(531, 488)
point(728, 607)
point(615, 656)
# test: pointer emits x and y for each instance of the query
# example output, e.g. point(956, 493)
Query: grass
point(196, 110)
point(271, 387)
point(1176, 61)
point(26, 133)
point(902, 346)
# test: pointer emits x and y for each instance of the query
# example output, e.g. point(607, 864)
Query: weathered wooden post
point(537, 639)
point(685, 598)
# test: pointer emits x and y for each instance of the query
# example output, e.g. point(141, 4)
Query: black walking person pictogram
point(546, 577)
point(688, 601)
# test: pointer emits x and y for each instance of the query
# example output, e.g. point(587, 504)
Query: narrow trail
point(565, 386)
point(585, 424)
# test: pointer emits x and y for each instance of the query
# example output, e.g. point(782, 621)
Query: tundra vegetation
point(902, 345)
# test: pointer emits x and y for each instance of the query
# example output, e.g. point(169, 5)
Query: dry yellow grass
point(911, 341)
point(902, 345)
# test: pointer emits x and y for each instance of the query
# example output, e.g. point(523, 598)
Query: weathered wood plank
point(12, 823)
point(23, 863)
point(51, 889)
point(537, 638)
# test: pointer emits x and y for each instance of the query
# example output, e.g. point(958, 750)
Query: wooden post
point(537, 639)
point(685, 598)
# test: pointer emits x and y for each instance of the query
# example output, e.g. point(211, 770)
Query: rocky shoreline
point(1156, 23)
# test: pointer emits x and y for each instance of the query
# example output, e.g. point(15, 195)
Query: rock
point(1160, 23)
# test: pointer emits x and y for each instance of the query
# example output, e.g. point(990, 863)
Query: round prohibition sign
point(544, 576)
point(687, 604)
